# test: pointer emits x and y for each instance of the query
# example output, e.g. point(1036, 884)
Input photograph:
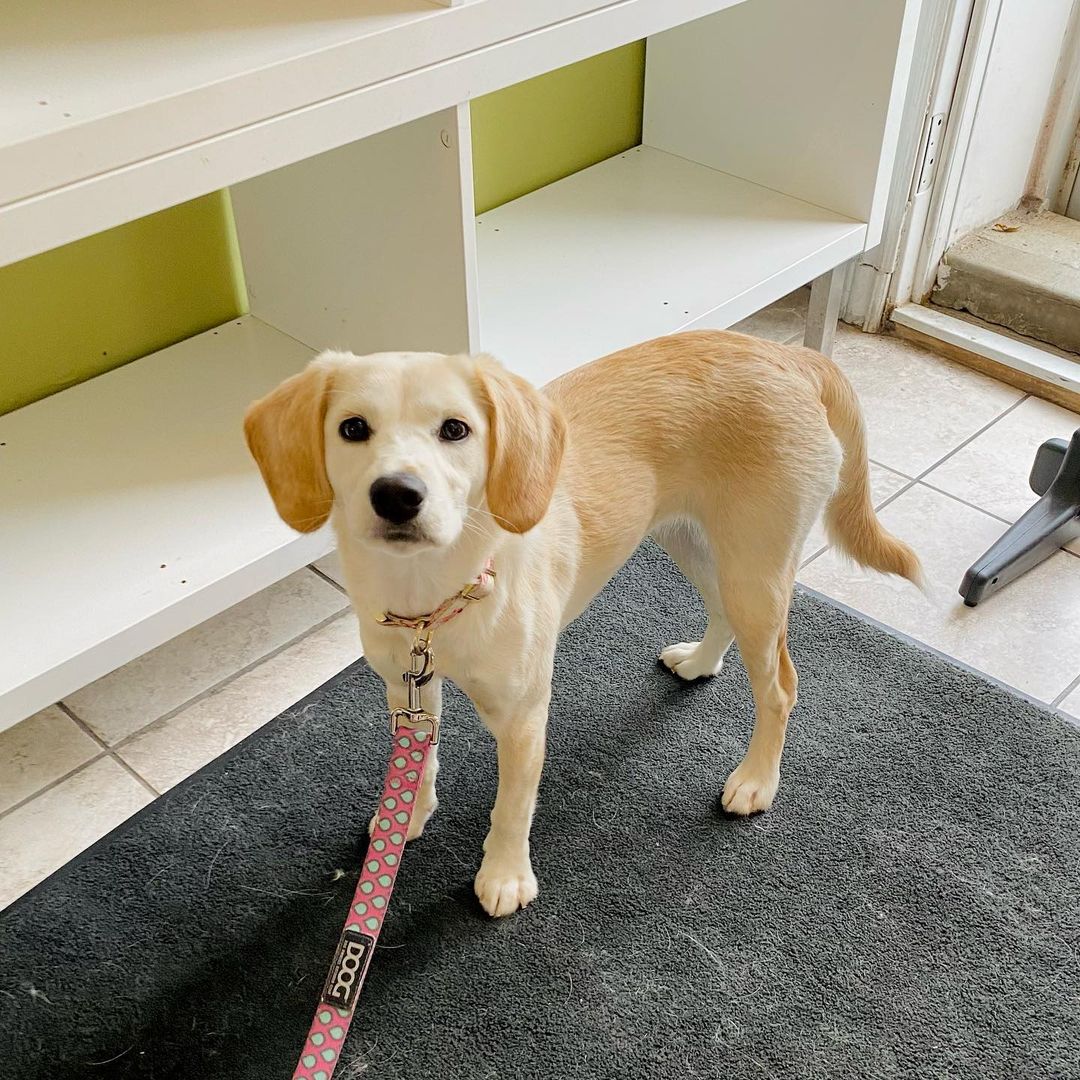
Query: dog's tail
point(850, 519)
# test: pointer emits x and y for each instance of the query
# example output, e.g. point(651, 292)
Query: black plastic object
point(1049, 525)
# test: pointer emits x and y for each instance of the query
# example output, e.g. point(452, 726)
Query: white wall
point(1012, 106)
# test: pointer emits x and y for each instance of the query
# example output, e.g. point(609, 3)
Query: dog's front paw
point(421, 816)
point(689, 661)
point(505, 884)
point(750, 789)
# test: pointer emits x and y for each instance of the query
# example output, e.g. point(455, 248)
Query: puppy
point(724, 448)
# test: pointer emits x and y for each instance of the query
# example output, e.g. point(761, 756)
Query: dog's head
point(407, 446)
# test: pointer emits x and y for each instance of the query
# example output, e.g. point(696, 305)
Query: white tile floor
point(951, 450)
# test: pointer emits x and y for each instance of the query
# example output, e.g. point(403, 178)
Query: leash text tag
point(348, 969)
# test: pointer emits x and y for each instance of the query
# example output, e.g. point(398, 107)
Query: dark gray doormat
point(910, 907)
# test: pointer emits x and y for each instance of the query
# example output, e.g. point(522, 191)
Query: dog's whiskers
point(472, 527)
point(487, 513)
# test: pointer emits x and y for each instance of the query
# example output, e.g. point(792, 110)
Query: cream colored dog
point(723, 447)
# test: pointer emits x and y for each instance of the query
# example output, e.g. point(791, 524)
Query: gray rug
point(909, 908)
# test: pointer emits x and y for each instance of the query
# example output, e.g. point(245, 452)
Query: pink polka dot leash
point(415, 731)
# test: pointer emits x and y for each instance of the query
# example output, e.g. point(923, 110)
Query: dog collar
point(481, 586)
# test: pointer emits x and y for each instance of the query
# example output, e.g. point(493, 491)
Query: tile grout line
point(1065, 693)
point(920, 480)
point(231, 678)
point(137, 775)
point(82, 724)
point(946, 494)
point(328, 579)
point(816, 555)
point(913, 481)
point(971, 438)
point(889, 468)
point(54, 783)
point(964, 502)
point(109, 751)
point(112, 751)
point(981, 510)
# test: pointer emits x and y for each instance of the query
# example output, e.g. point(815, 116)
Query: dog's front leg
point(506, 880)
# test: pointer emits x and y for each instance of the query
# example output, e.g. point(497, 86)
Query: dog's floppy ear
point(526, 438)
point(284, 433)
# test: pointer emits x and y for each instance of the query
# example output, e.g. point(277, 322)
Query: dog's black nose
point(398, 497)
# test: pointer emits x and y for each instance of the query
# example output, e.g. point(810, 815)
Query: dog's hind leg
point(758, 608)
point(685, 541)
point(757, 575)
point(757, 531)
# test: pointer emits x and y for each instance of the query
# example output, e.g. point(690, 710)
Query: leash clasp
point(411, 719)
point(421, 670)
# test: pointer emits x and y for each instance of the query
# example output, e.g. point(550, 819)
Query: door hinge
point(933, 137)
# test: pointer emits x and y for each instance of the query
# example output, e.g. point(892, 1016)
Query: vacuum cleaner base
point(1049, 525)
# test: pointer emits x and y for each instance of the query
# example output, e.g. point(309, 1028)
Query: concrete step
point(1022, 273)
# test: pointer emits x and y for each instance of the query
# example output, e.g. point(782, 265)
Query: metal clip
point(411, 719)
point(469, 592)
point(420, 673)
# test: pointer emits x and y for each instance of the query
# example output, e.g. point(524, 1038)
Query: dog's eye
point(453, 430)
point(354, 429)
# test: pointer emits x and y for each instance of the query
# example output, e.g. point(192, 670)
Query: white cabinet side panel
point(790, 94)
point(363, 248)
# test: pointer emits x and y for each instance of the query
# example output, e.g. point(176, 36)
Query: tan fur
point(284, 432)
point(724, 447)
point(850, 520)
point(527, 436)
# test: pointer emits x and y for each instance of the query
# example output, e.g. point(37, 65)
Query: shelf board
point(134, 511)
point(114, 109)
point(104, 82)
point(641, 245)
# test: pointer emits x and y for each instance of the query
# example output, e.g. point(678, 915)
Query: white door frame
point(1054, 174)
point(882, 277)
point(930, 241)
point(1072, 207)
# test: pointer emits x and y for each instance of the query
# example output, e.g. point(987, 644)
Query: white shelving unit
point(130, 509)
